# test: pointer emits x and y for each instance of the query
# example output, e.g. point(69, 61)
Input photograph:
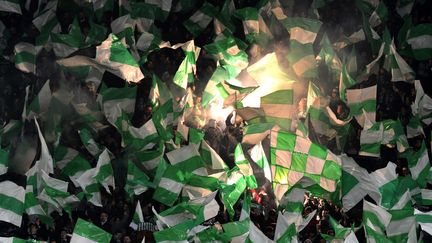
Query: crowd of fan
point(393, 103)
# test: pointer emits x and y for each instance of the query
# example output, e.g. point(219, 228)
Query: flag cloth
point(377, 215)
point(379, 16)
point(345, 81)
point(200, 19)
point(45, 161)
point(292, 200)
point(257, 154)
point(4, 160)
point(329, 57)
point(40, 104)
point(211, 157)
point(244, 167)
point(317, 105)
point(137, 182)
point(12, 6)
point(114, 57)
point(11, 203)
point(104, 171)
point(89, 143)
point(71, 163)
point(419, 165)
point(414, 127)
point(232, 189)
point(340, 233)
point(90, 187)
point(85, 232)
point(360, 101)
point(97, 34)
point(370, 139)
point(402, 226)
point(66, 44)
point(420, 40)
point(170, 185)
point(137, 217)
point(250, 19)
point(255, 133)
point(422, 106)
point(25, 57)
point(188, 160)
point(424, 219)
point(398, 67)
point(294, 157)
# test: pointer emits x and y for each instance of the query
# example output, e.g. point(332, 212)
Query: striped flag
point(114, 57)
point(86, 232)
point(25, 57)
point(402, 226)
point(371, 138)
point(188, 160)
point(211, 157)
point(255, 133)
point(424, 219)
point(39, 105)
point(414, 127)
point(292, 200)
point(97, 34)
point(137, 182)
point(104, 171)
point(90, 187)
point(399, 68)
point(294, 157)
point(162, 7)
point(244, 166)
point(71, 163)
point(170, 185)
point(422, 105)
point(257, 154)
point(232, 189)
point(379, 15)
point(345, 81)
point(187, 69)
point(11, 203)
point(137, 217)
point(150, 159)
point(199, 186)
point(200, 19)
point(46, 23)
point(375, 217)
point(4, 160)
point(316, 108)
point(419, 164)
point(419, 38)
point(45, 161)
point(360, 101)
point(88, 142)
point(329, 56)
point(66, 44)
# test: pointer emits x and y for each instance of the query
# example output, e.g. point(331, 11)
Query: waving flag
point(11, 203)
point(85, 232)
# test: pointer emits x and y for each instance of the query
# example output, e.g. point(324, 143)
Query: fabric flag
point(371, 138)
point(379, 16)
point(345, 81)
point(212, 90)
point(279, 108)
point(39, 105)
point(294, 157)
point(170, 185)
point(90, 187)
point(255, 133)
point(245, 211)
point(398, 67)
point(143, 15)
point(137, 217)
point(316, 108)
point(352, 39)
point(141, 138)
point(404, 7)
point(12, 6)
point(232, 189)
point(356, 183)
point(229, 56)
point(199, 186)
point(292, 200)
point(200, 19)
point(187, 69)
point(4, 160)
point(424, 219)
point(137, 182)
point(54, 192)
point(414, 127)
point(402, 226)
point(25, 57)
point(360, 101)
point(211, 157)
point(162, 7)
point(188, 160)
point(159, 93)
point(329, 56)
point(86, 232)
point(244, 166)
point(88, 141)
point(66, 44)
point(114, 57)
point(97, 34)
point(46, 23)
point(45, 161)
point(376, 215)
point(249, 17)
point(284, 222)
point(114, 101)
point(422, 105)
point(419, 165)
point(257, 154)
point(71, 163)
point(419, 38)
point(11, 203)
point(340, 233)
point(150, 159)
point(104, 171)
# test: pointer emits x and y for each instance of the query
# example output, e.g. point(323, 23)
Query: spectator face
point(126, 239)
point(104, 217)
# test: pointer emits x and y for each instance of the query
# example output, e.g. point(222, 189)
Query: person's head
point(334, 93)
point(127, 239)
point(104, 217)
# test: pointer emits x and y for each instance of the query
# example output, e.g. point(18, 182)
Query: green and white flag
point(40, 104)
point(398, 67)
point(414, 127)
point(45, 161)
point(317, 109)
point(424, 219)
point(86, 232)
point(159, 93)
point(170, 185)
point(279, 108)
point(420, 40)
point(232, 189)
point(71, 163)
point(356, 183)
point(352, 39)
point(360, 101)
point(46, 23)
point(89, 143)
point(211, 158)
point(162, 7)
point(137, 182)
point(11, 6)
point(422, 106)
point(257, 154)
point(419, 165)
point(200, 19)
point(187, 69)
point(212, 90)
point(150, 159)
point(114, 101)
point(114, 57)
point(292, 200)
point(255, 133)
point(97, 34)
point(137, 217)
point(329, 56)
point(66, 44)
point(25, 57)
point(294, 157)
point(345, 81)
point(90, 187)
point(4, 160)
point(250, 19)
point(16, 240)
point(199, 186)
point(244, 166)
point(11, 203)
point(379, 16)
point(188, 160)
point(371, 138)
point(340, 233)
point(141, 138)
point(402, 226)
point(245, 211)
point(104, 172)
point(229, 56)
point(377, 216)
point(404, 7)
